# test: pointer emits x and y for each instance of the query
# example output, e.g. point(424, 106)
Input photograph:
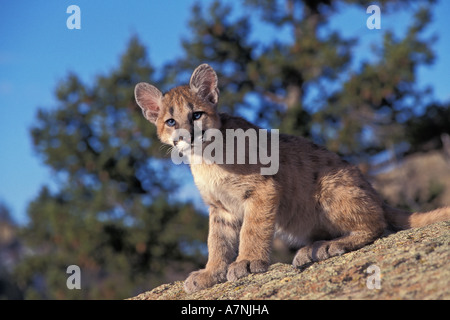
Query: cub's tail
point(400, 219)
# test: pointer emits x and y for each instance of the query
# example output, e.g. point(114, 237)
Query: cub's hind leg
point(324, 249)
point(349, 210)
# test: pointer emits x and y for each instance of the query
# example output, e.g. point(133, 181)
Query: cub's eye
point(170, 122)
point(197, 115)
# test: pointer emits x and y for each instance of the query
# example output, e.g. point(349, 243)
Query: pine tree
point(110, 213)
point(307, 86)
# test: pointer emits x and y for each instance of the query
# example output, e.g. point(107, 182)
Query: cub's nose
point(175, 142)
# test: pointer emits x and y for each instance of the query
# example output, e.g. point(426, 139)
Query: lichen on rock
point(410, 264)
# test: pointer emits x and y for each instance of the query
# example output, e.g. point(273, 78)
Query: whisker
point(168, 149)
point(161, 147)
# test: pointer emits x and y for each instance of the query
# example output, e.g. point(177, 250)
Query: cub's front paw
point(202, 279)
point(240, 269)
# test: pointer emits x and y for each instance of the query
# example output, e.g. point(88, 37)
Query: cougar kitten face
point(185, 113)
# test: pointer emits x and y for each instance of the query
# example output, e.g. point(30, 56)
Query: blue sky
point(37, 50)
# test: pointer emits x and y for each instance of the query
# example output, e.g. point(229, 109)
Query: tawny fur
point(315, 201)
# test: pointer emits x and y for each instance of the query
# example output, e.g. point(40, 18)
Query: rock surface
point(412, 264)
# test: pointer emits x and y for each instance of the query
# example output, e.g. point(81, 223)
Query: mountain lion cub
point(315, 200)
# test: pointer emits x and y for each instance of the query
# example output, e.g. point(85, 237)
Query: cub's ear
point(204, 83)
point(149, 99)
